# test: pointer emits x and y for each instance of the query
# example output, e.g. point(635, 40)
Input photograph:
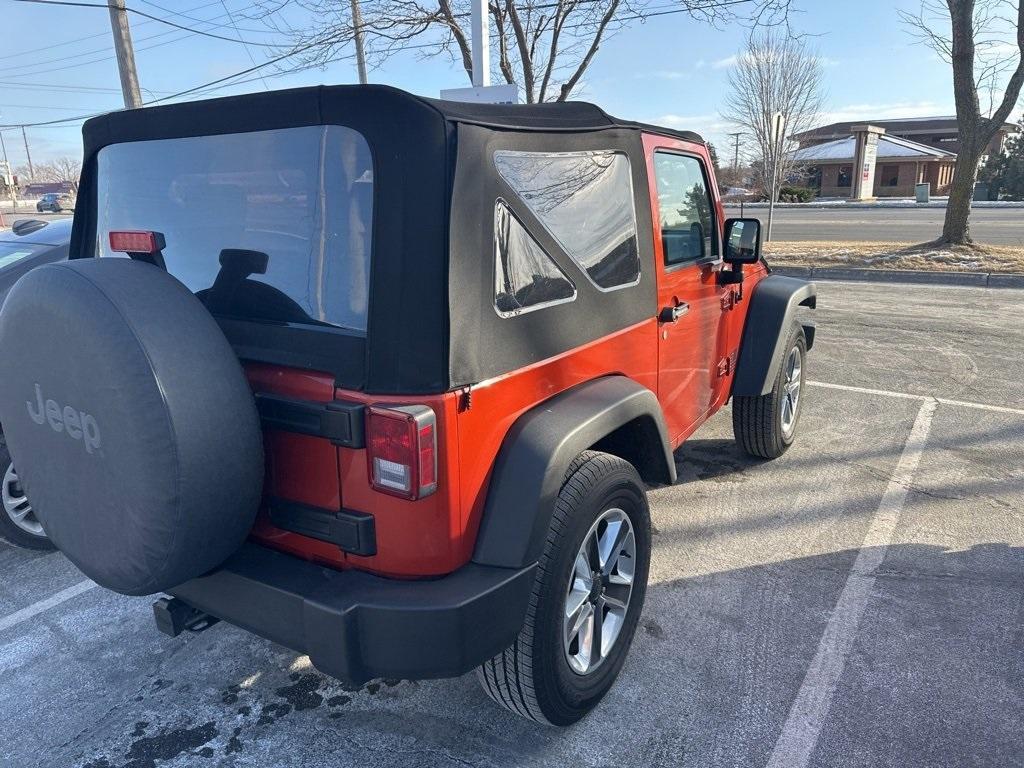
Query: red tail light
point(135, 241)
point(401, 450)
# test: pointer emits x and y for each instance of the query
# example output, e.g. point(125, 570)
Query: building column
point(864, 158)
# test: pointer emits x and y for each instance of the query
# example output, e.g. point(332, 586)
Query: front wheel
point(587, 598)
point(765, 426)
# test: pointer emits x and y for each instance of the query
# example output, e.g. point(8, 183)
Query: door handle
point(672, 314)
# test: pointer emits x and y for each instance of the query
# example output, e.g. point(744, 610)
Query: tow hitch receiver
point(174, 616)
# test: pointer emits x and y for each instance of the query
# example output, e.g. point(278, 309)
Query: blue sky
point(670, 70)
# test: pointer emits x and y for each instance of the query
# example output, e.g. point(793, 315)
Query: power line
point(76, 4)
point(296, 51)
point(218, 81)
point(64, 88)
point(35, 106)
point(74, 40)
point(248, 50)
point(185, 15)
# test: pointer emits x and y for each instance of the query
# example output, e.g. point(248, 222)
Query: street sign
point(506, 93)
point(778, 128)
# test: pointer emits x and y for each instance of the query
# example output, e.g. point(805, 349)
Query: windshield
point(269, 225)
point(12, 253)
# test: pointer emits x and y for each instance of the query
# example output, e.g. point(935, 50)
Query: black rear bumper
point(355, 626)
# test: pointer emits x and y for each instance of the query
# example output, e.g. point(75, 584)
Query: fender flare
point(538, 449)
point(773, 306)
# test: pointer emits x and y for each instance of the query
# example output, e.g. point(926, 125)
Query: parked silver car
point(28, 244)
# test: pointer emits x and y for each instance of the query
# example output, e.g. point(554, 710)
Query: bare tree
point(62, 170)
point(775, 73)
point(544, 46)
point(983, 40)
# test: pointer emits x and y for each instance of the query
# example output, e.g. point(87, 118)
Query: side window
point(585, 200)
point(525, 277)
point(687, 218)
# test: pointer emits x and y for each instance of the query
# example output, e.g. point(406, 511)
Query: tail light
point(135, 241)
point(401, 450)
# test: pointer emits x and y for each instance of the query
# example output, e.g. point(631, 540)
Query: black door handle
point(672, 314)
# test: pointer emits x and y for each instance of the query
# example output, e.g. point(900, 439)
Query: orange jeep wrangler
point(384, 379)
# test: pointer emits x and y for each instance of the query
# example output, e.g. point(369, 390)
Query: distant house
point(911, 151)
point(901, 164)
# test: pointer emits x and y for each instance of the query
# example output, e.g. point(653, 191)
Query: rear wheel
point(766, 426)
point(18, 522)
point(586, 601)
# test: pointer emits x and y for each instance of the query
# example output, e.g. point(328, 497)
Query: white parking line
point(907, 396)
point(44, 605)
point(800, 733)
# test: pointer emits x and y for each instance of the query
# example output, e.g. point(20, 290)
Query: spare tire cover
point(130, 421)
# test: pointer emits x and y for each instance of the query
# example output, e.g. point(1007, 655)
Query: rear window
point(301, 196)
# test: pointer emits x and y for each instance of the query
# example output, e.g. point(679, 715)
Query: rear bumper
point(355, 626)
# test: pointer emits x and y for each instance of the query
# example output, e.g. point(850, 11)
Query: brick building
point(900, 165)
point(910, 151)
point(938, 132)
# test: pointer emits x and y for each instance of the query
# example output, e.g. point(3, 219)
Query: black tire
point(9, 530)
point(757, 422)
point(533, 678)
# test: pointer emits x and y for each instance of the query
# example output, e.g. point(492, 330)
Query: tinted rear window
point(302, 196)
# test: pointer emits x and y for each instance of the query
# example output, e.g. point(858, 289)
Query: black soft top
point(431, 323)
point(552, 116)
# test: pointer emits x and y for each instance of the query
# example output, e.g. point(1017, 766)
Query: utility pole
point(736, 153)
point(481, 45)
point(125, 54)
point(31, 170)
point(357, 28)
point(8, 173)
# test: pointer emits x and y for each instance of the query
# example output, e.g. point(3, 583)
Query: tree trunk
point(956, 228)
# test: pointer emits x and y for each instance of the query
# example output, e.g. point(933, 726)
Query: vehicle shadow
point(933, 677)
point(711, 459)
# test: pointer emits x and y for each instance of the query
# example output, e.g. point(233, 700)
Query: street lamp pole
point(481, 45)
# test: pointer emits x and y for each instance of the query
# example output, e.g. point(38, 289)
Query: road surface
point(995, 226)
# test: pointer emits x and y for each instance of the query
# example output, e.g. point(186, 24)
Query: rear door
point(692, 338)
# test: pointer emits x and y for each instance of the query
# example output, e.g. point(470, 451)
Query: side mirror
point(742, 241)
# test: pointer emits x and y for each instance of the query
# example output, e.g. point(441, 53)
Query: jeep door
point(693, 341)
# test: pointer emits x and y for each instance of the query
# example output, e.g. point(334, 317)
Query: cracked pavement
point(750, 559)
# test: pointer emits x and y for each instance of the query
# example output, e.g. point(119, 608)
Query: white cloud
point(729, 61)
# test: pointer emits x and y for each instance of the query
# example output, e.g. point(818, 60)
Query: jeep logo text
point(78, 425)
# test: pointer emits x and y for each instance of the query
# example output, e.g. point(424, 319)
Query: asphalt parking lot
point(859, 602)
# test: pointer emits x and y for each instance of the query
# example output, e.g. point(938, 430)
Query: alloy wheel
point(16, 504)
point(600, 588)
point(791, 391)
